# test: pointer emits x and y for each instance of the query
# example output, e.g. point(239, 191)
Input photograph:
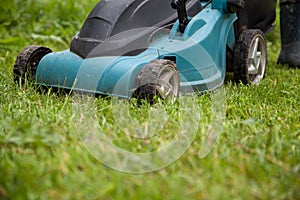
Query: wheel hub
point(166, 87)
point(257, 61)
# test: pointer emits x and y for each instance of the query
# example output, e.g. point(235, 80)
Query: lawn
point(44, 153)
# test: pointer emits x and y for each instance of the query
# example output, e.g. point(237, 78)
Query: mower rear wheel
point(250, 57)
point(27, 62)
point(158, 78)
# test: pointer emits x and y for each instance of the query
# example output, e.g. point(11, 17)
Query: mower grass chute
point(148, 48)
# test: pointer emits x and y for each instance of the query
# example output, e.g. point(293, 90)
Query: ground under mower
point(147, 48)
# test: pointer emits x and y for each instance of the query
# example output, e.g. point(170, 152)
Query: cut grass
point(257, 155)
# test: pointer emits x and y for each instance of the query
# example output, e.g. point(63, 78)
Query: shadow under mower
point(147, 48)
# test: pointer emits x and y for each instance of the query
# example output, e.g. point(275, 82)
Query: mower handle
point(180, 5)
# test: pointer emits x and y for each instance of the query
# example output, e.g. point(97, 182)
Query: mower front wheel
point(158, 78)
point(250, 57)
point(27, 62)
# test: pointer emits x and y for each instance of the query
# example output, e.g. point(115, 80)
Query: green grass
point(257, 155)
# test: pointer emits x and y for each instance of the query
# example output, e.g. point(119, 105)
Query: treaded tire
point(250, 57)
point(158, 78)
point(27, 62)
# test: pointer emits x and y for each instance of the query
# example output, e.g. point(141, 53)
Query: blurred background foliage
point(40, 21)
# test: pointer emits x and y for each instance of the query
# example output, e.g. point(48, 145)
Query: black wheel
point(250, 57)
point(28, 61)
point(158, 78)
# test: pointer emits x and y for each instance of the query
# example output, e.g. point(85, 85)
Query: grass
point(257, 155)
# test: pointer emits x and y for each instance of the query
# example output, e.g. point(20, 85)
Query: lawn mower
point(148, 48)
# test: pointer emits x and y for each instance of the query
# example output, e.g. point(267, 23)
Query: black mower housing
point(111, 17)
point(257, 14)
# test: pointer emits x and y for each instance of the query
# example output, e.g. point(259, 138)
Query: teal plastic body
point(199, 53)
